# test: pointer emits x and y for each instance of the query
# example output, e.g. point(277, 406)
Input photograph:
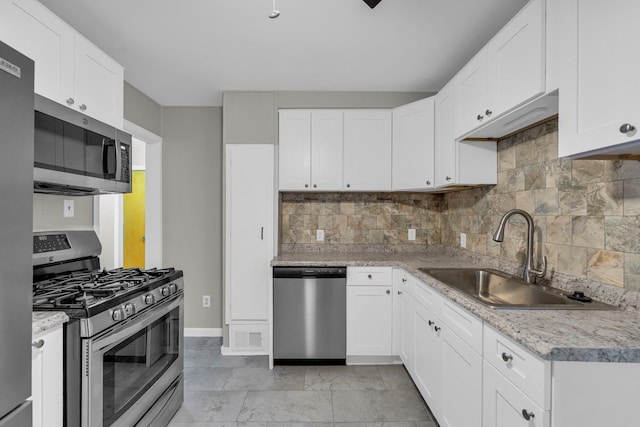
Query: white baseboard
point(202, 332)
point(226, 351)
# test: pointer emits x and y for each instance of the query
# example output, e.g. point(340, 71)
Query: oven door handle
point(134, 324)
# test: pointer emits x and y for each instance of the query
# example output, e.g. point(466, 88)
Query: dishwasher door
point(309, 315)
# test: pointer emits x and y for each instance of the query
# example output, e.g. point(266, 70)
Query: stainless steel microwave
point(75, 154)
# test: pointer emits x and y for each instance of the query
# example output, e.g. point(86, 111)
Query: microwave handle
point(109, 158)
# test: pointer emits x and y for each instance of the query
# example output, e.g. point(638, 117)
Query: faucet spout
point(530, 273)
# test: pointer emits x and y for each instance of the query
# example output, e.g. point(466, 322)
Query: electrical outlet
point(69, 211)
point(463, 240)
point(206, 301)
point(320, 235)
point(411, 235)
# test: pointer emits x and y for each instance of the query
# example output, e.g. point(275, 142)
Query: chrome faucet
point(530, 274)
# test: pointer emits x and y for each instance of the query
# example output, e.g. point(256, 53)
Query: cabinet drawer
point(463, 324)
point(428, 297)
point(504, 405)
point(523, 368)
point(368, 276)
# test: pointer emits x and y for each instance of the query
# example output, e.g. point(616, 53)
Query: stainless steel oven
point(135, 368)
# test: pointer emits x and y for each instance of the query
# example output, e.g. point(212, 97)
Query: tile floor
point(234, 391)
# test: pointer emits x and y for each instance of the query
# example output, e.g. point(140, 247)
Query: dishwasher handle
point(314, 272)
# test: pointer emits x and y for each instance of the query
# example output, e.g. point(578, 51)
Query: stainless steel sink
point(500, 290)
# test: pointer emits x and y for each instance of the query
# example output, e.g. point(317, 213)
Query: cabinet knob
point(70, 101)
point(83, 107)
point(480, 117)
point(38, 344)
point(369, 277)
point(431, 322)
point(399, 292)
point(448, 178)
point(388, 292)
point(315, 186)
point(404, 280)
point(507, 357)
point(527, 415)
point(348, 185)
point(488, 112)
point(306, 186)
point(428, 182)
point(437, 328)
point(626, 128)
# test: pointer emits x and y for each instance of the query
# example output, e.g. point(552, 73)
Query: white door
point(461, 393)
point(517, 60)
point(326, 150)
point(599, 88)
point(445, 144)
point(472, 94)
point(428, 362)
point(369, 320)
point(367, 150)
point(413, 145)
point(249, 229)
point(29, 27)
point(294, 151)
point(98, 84)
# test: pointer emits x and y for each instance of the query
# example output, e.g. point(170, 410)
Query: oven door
point(127, 369)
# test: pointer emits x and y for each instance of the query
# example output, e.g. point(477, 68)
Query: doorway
point(134, 222)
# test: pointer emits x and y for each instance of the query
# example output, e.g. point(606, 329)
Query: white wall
point(48, 213)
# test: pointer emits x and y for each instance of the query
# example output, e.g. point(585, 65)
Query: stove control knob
point(149, 299)
point(165, 291)
point(173, 288)
point(129, 309)
point(118, 315)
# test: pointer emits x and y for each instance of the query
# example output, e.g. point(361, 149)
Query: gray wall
point(142, 110)
point(192, 207)
point(48, 213)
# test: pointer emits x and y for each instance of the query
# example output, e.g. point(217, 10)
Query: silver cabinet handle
point(448, 178)
point(388, 292)
point(527, 415)
point(437, 328)
point(399, 292)
point(480, 117)
point(404, 280)
point(506, 357)
point(70, 101)
point(38, 344)
point(261, 233)
point(488, 112)
point(626, 128)
point(83, 107)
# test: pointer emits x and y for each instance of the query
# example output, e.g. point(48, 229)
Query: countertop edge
point(43, 321)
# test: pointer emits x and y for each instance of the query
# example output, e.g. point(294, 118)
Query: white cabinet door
point(428, 357)
point(505, 405)
point(369, 320)
point(46, 378)
point(26, 25)
point(294, 153)
point(461, 392)
point(249, 229)
point(472, 92)
point(326, 150)
point(98, 83)
point(407, 341)
point(599, 85)
point(445, 143)
point(413, 146)
point(367, 150)
point(516, 58)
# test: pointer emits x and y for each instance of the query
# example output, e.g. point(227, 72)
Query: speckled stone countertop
point(42, 321)
point(554, 335)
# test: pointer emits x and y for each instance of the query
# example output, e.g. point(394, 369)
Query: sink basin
point(499, 290)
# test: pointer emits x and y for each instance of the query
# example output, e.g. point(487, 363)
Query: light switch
point(69, 210)
point(463, 240)
point(412, 234)
point(320, 235)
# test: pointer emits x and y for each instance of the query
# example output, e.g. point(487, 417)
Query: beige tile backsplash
point(586, 213)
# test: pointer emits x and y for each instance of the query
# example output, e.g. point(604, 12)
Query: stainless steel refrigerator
point(16, 225)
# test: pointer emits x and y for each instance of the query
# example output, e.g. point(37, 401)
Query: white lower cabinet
point(427, 372)
point(46, 378)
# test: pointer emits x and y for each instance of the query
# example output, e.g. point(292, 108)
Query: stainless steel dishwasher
point(309, 315)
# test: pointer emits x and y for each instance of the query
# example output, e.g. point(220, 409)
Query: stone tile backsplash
point(586, 214)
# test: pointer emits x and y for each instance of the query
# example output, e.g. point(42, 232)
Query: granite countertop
point(42, 321)
point(554, 335)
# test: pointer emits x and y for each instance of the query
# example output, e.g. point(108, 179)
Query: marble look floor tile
point(205, 379)
point(395, 377)
point(195, 343)
point(386, 405)
point(226, 424)
point(279, 378)
point(202, 358)
point(317, 425)
point(287, 406)
point(343, 378)
point(242, 362)
point(208, 406)
point(404, 424)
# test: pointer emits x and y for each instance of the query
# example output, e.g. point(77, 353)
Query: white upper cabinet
point(595, 57)
point(68, 68)
point(295, 150)
point(367, 150)
point(326, 150)
point(459, 163)
point(507, 73)
point(413, 150)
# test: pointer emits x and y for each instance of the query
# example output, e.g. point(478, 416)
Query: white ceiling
point(187, 52)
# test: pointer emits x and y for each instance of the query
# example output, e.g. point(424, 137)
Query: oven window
point(132, 366)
